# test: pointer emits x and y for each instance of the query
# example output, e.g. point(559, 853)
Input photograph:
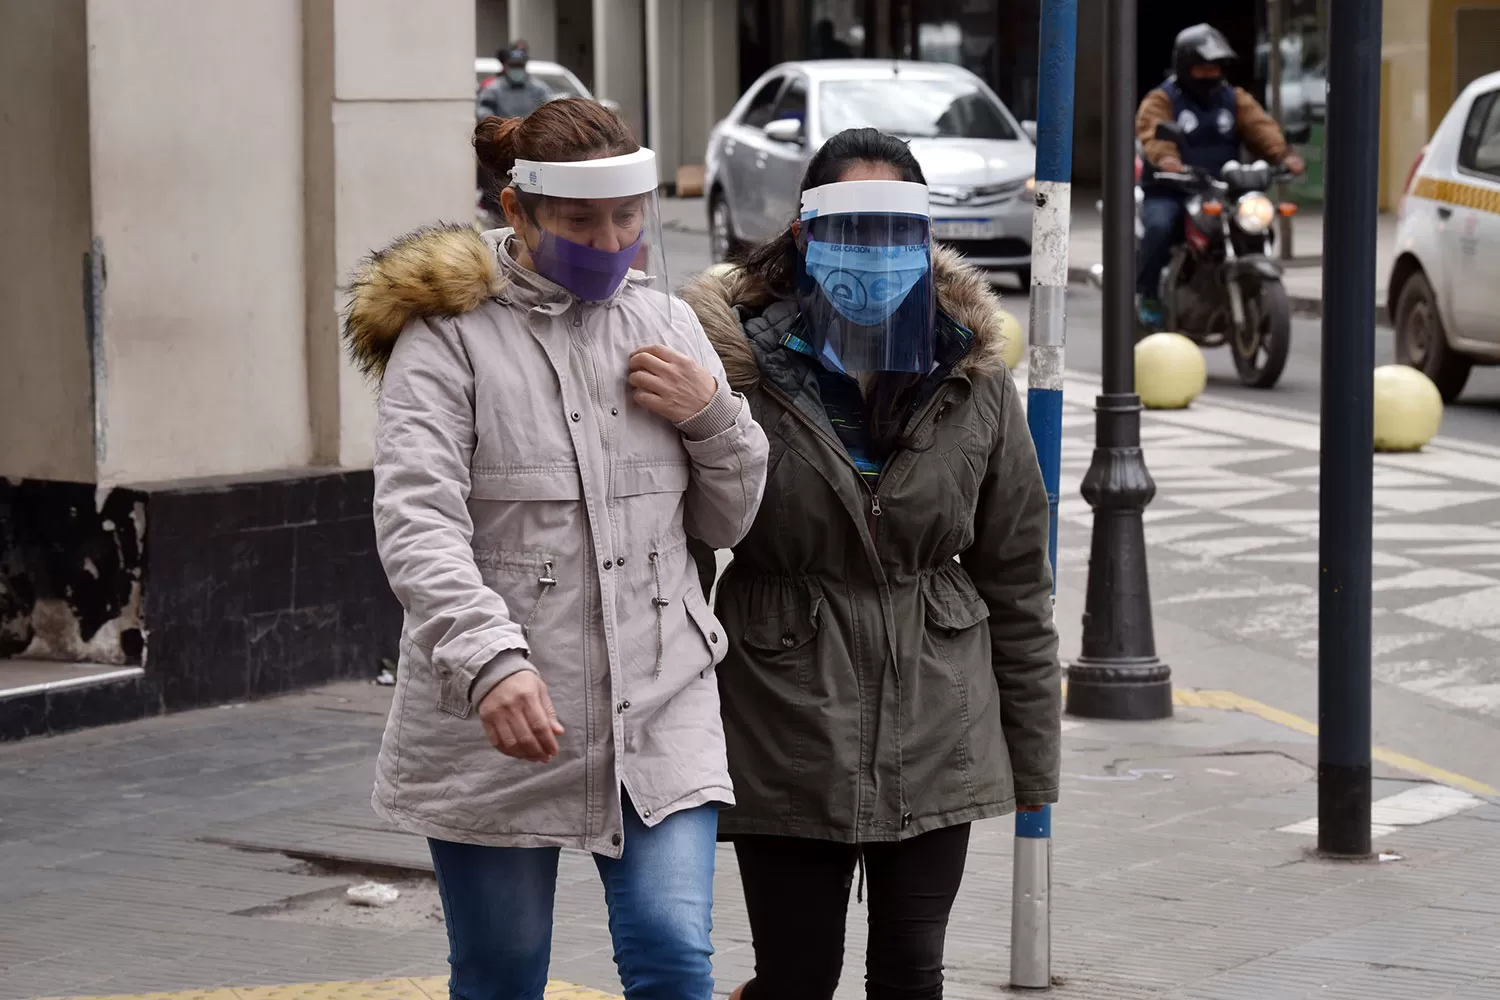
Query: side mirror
point(1299, 133)
point(787, 130)
point(1169, 132)
point(1029, 127)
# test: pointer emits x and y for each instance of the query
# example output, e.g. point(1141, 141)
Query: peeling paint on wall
point(70, 572)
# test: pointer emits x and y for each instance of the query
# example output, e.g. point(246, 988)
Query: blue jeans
point(498, 905)
point(1162, 219)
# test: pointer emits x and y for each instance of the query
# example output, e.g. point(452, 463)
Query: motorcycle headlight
point(1254, 213)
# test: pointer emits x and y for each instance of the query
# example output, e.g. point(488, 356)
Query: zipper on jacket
point(916, 425)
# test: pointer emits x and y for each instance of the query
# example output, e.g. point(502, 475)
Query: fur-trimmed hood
point(963, 293)
point(442, 270)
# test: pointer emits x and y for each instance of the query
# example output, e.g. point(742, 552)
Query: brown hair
point(561, 131)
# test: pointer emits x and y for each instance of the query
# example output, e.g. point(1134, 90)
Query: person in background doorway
point(1217, 120)
point(515, 93)
point(827, 44)
point(519, 43)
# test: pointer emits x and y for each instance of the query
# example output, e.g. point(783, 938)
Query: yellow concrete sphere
point(1015, 338)
point(1408, 408)
point(1169, 371)
point(721, 269)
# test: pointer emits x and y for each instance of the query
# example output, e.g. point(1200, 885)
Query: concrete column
point(692, 73)
point(667, 82)
point(197, 204)
point(620, 58)
point(491, 26)
point(402, 119)
point(45, 385)
point(535, 21)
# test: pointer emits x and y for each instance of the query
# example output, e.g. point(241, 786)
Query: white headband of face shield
point(856, 197)
point(610, 177)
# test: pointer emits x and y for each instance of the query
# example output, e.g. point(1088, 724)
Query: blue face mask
point(866, 284)
point(516, 75)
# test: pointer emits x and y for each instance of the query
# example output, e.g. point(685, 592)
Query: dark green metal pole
point(1346, 490)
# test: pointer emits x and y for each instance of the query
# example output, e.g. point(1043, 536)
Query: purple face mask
point(592, 275)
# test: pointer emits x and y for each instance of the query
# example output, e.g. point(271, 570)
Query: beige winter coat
point(531, 516)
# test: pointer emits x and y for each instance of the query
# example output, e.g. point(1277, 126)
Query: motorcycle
point(1221, 284)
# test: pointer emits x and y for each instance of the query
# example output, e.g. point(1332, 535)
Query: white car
point(554, 76)
point(978, 160)
point(1444, 293)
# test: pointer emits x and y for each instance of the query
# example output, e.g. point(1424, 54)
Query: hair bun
point(495, 145)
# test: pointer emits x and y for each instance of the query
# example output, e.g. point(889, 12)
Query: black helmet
point(1202, 43)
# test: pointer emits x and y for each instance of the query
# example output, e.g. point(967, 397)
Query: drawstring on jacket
point(659, 603)
point(547, 582)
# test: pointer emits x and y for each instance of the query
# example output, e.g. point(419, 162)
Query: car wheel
point(721, 240)
point(1421, 341)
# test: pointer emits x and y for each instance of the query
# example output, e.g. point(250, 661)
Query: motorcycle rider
point(1216, 120)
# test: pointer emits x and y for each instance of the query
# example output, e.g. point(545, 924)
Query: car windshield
point(914, 109)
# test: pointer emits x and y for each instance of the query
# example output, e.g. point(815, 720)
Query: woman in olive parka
point(892, 673)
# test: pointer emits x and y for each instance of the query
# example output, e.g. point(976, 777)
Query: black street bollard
point(1118, 676)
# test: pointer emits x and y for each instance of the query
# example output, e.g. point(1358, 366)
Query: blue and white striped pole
point(1049, 245)
point(1031, 883)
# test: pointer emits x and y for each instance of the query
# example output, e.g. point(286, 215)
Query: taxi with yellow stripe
point(1445, 283)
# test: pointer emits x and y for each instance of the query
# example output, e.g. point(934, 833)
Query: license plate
point(964, 229)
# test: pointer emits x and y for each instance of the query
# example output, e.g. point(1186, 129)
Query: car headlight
point(1254, 213)
point(1031, 185)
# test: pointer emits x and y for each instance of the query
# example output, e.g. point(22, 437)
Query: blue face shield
point(865, 281)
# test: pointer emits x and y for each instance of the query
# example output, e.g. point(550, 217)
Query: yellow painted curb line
point(1228, 701)
point(430, 988)
point(1231, 702)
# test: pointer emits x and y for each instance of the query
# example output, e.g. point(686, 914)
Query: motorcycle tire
point(1272, 313)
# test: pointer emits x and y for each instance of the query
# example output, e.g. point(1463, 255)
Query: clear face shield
point(865, 279)
point(595, 225)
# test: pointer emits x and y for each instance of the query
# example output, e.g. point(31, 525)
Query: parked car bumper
point(995, 236)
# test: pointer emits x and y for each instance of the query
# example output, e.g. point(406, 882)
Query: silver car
point(979, 161)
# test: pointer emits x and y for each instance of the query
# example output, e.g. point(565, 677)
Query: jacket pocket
point(952, 602)
point(789, 624)
point(452, 686)
point(642, 477)
point(703, 619)
point(530, 482)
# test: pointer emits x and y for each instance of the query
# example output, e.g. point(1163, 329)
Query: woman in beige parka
point(552, 430)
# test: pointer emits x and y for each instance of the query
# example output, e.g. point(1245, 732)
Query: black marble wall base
point(46, 713)
point(247, 588)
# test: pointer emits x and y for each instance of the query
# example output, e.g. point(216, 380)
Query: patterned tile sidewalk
point(1233, 536)
point(1173, 876)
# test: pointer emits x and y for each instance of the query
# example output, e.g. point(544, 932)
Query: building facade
point(653, 52)
point(184, 451)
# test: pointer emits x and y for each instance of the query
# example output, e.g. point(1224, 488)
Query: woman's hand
point(670, 384)
point(519, 718)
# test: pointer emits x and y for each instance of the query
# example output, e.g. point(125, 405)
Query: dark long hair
point(890, 394)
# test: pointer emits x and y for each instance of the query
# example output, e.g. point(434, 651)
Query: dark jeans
point(797, 898)
point(498, 905)
point(1162, 218)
